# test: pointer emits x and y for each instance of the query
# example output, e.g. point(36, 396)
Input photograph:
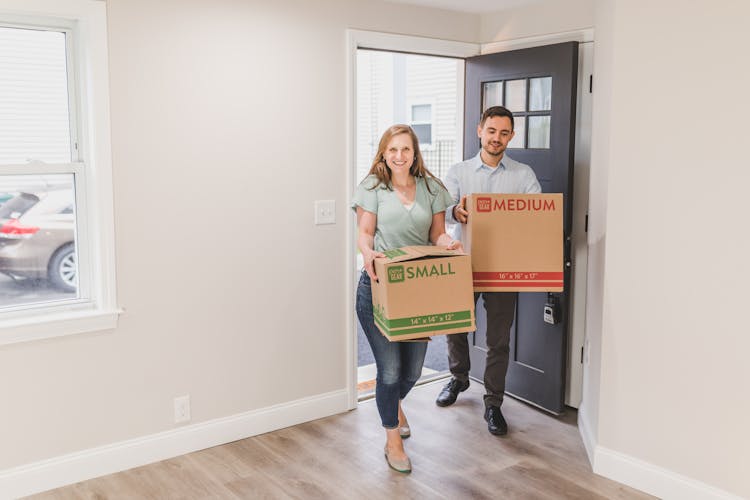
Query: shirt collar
point(478, 163)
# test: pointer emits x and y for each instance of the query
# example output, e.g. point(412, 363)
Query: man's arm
point(454, 189)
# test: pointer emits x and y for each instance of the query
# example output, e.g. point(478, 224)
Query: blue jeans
point(399, 364)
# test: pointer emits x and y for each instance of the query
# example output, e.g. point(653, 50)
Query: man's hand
point(459, 211)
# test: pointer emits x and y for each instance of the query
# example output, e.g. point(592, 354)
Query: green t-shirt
point(398, 226)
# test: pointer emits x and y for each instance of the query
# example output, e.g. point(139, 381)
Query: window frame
point(409, 113)
point(95, 309)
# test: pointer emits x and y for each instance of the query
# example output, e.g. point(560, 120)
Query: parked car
point(37, 238)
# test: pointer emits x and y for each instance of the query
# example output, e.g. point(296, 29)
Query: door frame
point(359, 39)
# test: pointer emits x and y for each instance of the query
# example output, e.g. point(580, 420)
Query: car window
point(18, 205)
point(51, 202)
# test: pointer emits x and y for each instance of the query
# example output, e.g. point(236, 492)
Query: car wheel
point(62, 269)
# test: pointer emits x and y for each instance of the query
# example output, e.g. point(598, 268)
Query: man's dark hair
point(497, 111)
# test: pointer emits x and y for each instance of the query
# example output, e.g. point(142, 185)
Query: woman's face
point(399, 153)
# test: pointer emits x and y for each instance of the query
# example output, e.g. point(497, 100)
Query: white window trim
point(87, 21)
point(419, 102)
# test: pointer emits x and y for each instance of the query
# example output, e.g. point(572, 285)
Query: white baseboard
point(652, 479)
point(80, 466)
point(643, 476)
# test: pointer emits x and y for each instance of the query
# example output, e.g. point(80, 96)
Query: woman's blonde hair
point(383, 172)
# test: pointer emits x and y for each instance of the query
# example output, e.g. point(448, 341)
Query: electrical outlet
point(325, 212)
point(182, 409)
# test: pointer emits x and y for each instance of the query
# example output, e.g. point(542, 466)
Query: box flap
point(416, 252)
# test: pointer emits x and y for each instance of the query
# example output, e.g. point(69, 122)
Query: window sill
point(45, 326)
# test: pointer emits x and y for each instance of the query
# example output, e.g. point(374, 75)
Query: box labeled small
point(423, 291)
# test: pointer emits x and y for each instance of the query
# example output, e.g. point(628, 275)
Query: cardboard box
point(423, 291)
point(516, 242)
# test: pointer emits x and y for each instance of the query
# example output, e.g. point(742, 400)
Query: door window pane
point(540, 94)
point(519, 140)
point(492, 95)
point(539, 132)
point(34, 117)
point(37, 239)
point(515, 95)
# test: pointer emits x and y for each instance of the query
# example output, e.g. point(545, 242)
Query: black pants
point(500, 307)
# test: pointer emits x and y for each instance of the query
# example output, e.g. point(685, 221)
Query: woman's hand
point(456, 245)
point(370, 257)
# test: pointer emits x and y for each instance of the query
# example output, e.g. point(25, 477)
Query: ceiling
point(472, 6)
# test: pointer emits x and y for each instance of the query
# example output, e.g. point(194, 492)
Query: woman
point(399, 203)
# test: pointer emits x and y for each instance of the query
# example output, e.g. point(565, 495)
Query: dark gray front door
point(539, 86)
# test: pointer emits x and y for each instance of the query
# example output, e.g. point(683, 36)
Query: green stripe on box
point(428, 323)
point(429, 319)
point(430, 328)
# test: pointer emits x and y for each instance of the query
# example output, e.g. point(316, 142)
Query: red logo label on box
point(484, 204)
point(515, 205)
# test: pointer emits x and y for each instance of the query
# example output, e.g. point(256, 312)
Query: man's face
point(495, 134)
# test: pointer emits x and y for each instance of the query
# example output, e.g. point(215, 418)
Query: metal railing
point(439, 156)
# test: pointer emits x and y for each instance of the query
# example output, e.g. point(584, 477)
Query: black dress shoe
point(450, 392)
point(496, 424)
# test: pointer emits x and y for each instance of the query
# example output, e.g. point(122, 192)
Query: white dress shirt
point(473, 176)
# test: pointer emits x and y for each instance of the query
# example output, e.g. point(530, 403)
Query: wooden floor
point(453, 455)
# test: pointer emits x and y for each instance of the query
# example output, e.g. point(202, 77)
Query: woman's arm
point(366, 222)
point(438, 236)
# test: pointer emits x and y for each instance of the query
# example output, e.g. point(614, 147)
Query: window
point(530, 100)
point(421, 122)
point(37, 241)
point(56, 273)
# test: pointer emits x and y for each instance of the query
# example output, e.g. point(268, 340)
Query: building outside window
point(422, 91)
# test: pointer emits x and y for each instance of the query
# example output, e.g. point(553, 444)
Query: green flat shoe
point(403, 466)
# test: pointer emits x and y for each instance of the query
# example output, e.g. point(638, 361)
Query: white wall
point(542, 17)
point(671, 135)
point(664, 399)
point(228, 120)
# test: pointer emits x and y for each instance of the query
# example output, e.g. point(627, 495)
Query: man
point(490, 171)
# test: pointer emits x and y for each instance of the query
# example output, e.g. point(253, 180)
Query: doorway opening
point(425, 92)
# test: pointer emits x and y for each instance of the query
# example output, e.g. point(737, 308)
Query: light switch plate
point(325, 212)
